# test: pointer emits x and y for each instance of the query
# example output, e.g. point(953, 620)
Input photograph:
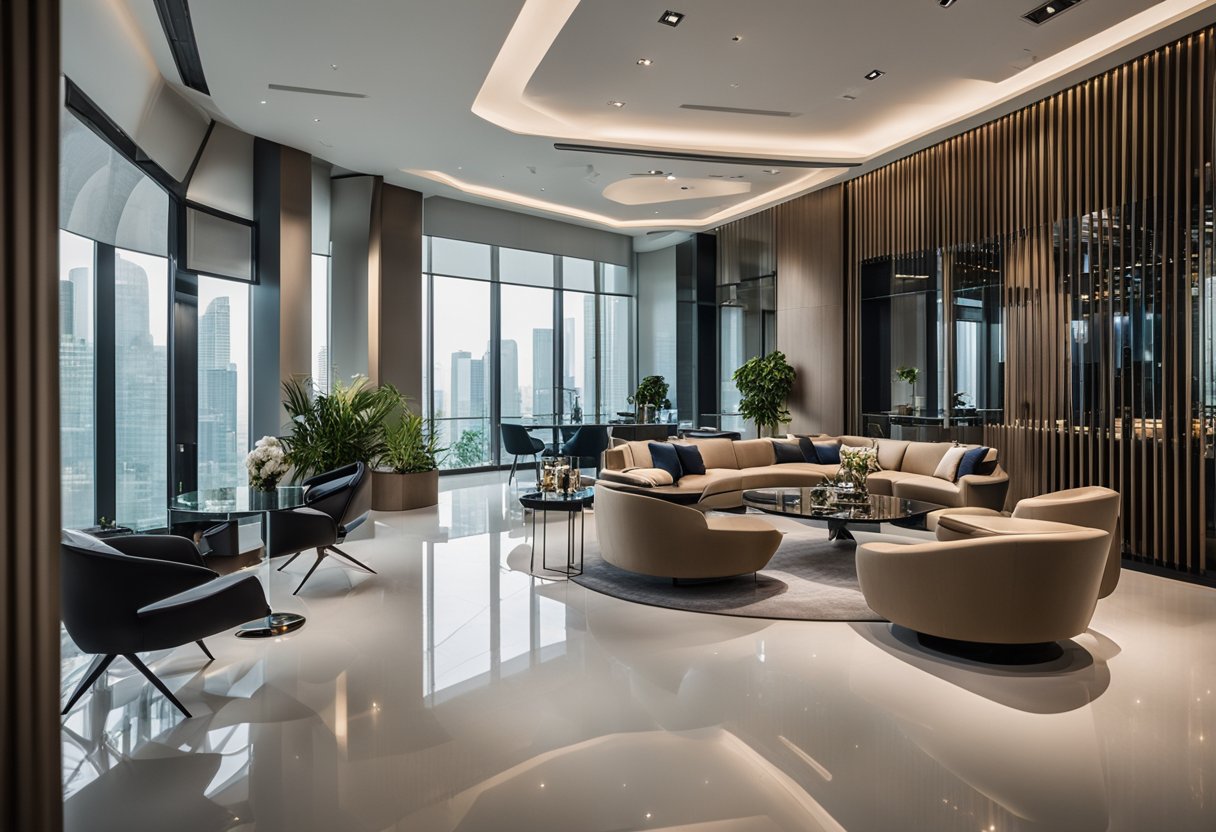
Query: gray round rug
point(809, 578)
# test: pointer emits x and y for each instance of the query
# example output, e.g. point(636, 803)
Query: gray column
point(30, 791)
point(282, 298)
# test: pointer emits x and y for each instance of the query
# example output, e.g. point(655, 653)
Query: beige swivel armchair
point(1004, 589)
point(658, 537)
point(1093, 507)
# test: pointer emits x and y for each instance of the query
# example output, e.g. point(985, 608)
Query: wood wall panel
point(746, 248)
point(1101, 199)
point(30, 791)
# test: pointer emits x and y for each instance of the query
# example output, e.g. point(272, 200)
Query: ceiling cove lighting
point(179, 32)
point(670, 18)
point(1048, 11)
point(711, 158)
point(874, 74)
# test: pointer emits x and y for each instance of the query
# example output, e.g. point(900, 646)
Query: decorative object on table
point(106, 528)
point(330, 430)
point(764, 384)
point(650, 396)
point(266, 464)
point(556, 475)
point(909, 376)
point(406, 475)
point(958, 402)
point(856, 465)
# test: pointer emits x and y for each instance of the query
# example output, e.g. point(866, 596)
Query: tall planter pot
point(402, 492)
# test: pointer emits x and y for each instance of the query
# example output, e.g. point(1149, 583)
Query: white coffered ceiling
point(466, 98)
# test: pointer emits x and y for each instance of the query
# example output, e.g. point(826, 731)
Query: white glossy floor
point(454, 692)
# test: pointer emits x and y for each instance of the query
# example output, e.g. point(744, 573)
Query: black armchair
point(587, 442)
point(137, 593)
point(518, 442)
point(323, 521)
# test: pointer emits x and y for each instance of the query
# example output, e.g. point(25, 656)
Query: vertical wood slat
point(30, 790)
point(1098, 196)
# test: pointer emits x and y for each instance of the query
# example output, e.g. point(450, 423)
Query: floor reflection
point(443, 692)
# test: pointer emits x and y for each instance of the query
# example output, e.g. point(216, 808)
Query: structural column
point(394, 305)
point(30, 791)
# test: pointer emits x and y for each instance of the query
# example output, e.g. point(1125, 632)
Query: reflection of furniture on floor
point(1008, 589)
point(658, 537)
point(572, 505)
point(588, 443)
point(324, 520)
point(134, 594)
point(518, 442)
point(836, 507)
point(1092, 506)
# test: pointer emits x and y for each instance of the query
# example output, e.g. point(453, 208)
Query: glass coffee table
point(838, 508)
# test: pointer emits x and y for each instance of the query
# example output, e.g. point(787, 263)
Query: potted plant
point(908, 375)
point(329, 430)
point(266, 464)
point(650, 395)
point(407, 473)
point(765, 384)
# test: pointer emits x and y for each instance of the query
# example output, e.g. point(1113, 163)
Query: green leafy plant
point(765, 384)
point(470, 449)
point(411, 443)
point(652, 390)
point(329, 430)
point(908, 375)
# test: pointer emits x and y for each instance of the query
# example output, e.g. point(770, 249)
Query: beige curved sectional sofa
point(733, 466)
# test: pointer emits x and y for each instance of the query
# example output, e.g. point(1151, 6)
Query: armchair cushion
point(203, 610)
point(690, 459)
point(166, 547)
point(666, 459)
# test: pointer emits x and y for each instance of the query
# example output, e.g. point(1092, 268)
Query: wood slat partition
point(746, 248)
point(1101, 200)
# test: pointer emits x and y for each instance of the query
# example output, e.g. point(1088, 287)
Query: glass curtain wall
point(320, 322)
point(77, 381)
point(223, 382)
point(521, 337)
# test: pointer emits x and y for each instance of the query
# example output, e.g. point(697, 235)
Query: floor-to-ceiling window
point(223, 382)
point(320, 322)
point(77, 380)
point(558, 334)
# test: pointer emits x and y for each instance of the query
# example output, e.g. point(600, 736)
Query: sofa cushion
point(883, 482)
point(929, 489)
point(947, 468)
point(787, 452)
point(690, 458)
point(922, 457)
point(641, 477)
point(792, 475)
point(970, 461)
point(666, 459)
point(827, 453)
point(717, 453)
point(891, 453)
point(855, 441)
point(637, 454)
point(754, 453)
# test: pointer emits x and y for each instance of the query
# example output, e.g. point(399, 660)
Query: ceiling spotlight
point(736, 38)
point(849, 97)
point(644, 62)
point(316, 120)
point(1049, 11)
point(617, 104)
point(333, 66)
point(671, 177)
point(772, 171)
point(654, 172)
point(945, 4)
point(874, 74)
point(670, 18)
point(734, 85)
point(262, 101)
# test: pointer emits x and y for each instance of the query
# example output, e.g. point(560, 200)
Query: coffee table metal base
point(275, 624)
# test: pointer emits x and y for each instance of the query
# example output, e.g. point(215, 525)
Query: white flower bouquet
point(266, 463)
point(856, 465)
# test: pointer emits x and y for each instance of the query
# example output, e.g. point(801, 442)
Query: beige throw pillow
point(947, 469)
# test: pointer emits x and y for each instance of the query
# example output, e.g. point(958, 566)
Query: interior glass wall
point(320, 322)
point(558, 333)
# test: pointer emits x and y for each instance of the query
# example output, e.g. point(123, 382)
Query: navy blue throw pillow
point(970, 462)
point(828, 453)
point(787, 452)
point(690, 458)
point(665, 457)
point(808, 449)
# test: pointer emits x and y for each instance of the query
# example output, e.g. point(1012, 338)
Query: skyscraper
point(218, 463)
point(320, 375)
point(76, 436)
point(542, 374)
point(511, 401)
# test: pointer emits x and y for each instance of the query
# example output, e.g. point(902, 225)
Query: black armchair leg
point(514, 462)
point(289, 560)
point(359, 564)
point(151, 677)
point(206, 652)
point(311, 569)
point(98, 667)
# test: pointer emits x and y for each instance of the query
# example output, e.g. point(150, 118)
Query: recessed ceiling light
point(736, 38)
point(617, 104)
point(316, 119)
point(734, 85)
point(1049, 10)
point(671, 177)
point(333, 66)
point(848, 97)
point(670, 18)
point(654, 172)
point(262, 101)
point(542, 189)
point(773, 171)
point(656, 212)
point(945, 4)
point(644, 62)
point(874, 74)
